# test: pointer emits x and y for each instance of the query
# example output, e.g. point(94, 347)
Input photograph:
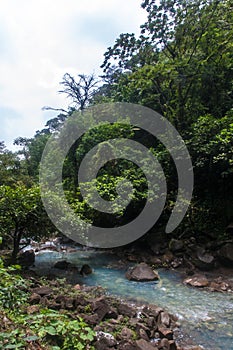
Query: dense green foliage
point(48, 329)
point(22, 215)
point(178, 66)
point(182, 68)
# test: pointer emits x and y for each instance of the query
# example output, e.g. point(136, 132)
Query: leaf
point(31, 338)
point(51, 330)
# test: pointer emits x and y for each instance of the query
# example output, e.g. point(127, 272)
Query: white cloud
point(42, 40)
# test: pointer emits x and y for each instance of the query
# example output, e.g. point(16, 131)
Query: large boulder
point(226, 254)
point(62, 265)
point(204, 260)
point(85, 270)
point(142, 273)
point(27, 258)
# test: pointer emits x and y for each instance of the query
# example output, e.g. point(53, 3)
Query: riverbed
point(207, 317)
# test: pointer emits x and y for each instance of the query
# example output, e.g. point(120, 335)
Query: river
point(207, 317)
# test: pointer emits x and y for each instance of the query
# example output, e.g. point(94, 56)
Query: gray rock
point(27, 258)
point(85, 270)
point(142, 273)
point(204, 260)
point(62, 265)
point(226, 254)
point(164, 319)
point(126, 310)
point(176, 245)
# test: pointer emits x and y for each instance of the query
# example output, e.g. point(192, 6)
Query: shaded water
point(206, 317)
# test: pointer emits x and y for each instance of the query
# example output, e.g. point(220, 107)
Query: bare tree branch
point(81, 91)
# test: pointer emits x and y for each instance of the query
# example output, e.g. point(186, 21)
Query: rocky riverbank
point(117, 324)
point(208, 266)
point(141, 328)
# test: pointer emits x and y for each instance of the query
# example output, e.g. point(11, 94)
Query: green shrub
point(12, 288)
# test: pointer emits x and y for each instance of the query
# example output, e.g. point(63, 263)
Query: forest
point(180, 66)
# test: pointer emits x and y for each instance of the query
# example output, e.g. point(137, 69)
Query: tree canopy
point(180, 66)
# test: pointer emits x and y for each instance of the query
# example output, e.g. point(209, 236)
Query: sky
point(41, 40)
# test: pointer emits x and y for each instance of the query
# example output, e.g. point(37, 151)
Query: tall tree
point(188, 69)
point(80, 92)
point(22, 216)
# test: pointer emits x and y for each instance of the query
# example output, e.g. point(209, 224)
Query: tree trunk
point(16, 241)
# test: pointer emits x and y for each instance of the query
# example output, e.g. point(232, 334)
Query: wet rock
point(153, 310)
point(142, 344)
point(219, 285)
point(85, 270)
point(43, 291)
point(164, 319)
point(164, 344)
point(62, 265)
point(101, 308)
point(142, 273)
point(176, 245)
point(172, 344)
point(165, 333)
point(105, 341)
point(203, 260)
point(27, 258)
point(199, 281)
point(126, 310)
point(226, 254)
point(150, 322)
